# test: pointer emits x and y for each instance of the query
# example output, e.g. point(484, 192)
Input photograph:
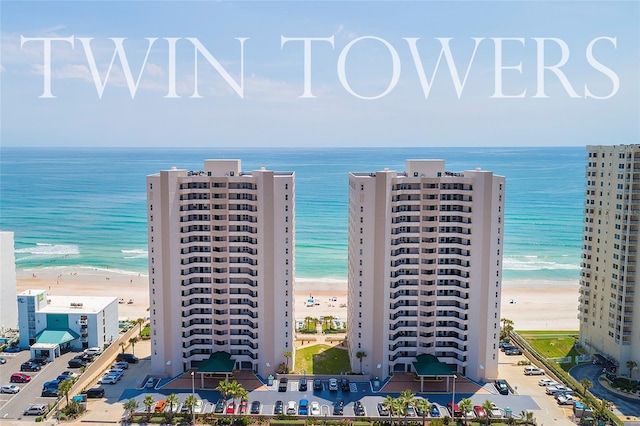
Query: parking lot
point(528, 395)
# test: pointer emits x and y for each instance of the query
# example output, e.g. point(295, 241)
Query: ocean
point(85, 207)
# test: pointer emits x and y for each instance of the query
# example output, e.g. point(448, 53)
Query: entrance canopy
point(57, 337)
point(218, 363)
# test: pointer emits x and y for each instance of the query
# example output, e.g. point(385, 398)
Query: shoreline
point(537, 304)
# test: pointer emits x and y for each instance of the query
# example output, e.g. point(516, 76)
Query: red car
point(454, 410)
point(243, 407)
point(479, 411)
point(20, 378)
point(231, 408)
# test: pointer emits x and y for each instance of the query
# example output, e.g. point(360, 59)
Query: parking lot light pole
point(193, 391)
point(453, 397)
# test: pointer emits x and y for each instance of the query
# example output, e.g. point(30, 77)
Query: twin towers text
point(530, 73)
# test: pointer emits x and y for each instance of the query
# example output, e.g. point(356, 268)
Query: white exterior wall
point(425, 268)
point(231, 288)
point(8, 306)
point(609, 317)
point(96, 321)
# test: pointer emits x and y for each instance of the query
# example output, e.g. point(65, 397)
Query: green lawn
point(322, 359)
point(552, 344)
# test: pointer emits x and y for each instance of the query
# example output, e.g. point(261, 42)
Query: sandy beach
point(537, 305)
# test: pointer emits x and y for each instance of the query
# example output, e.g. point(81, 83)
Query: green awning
point(428, 365)
point(56, 336)
point(218, 362)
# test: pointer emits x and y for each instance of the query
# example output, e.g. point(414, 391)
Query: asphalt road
point(625, 406)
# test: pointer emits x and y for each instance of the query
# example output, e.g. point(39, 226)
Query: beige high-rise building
point(425, 268)
point(221, 266)
point(609, 312)
point(8, 305)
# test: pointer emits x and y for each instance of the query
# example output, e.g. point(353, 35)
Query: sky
point(319, 74)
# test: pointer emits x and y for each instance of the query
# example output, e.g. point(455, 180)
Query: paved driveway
point(627, 408)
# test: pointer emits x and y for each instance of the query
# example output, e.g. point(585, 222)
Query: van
point(130, 358)
point(533, 371)
point(160, 406)
point(94, 393)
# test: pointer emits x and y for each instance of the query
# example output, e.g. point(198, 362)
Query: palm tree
point(123, 345)
point(600, 410)
point(148, 402)
point(140, 322)
point(360, 355)
point(328, 320)
point(487, 406)
point(133, 341)
point(465, 406)
point(307, 323)
point(586, 384)
point(224, 389)
point(172, 402)
point(407, 399)
point(287, 355)
point(528, 418)
point(631, 365)
point(64, 387)
point(388, 403)
point(190, 401)
point(424, 406)
point(130, 407)
point(507, 328)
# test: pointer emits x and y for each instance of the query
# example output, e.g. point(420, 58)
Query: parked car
point(93, 351)
point(302, 385)
point(292, 410)
point(35, 410)
point(501, 386)
point(358, 409)
point(496, 412)
point(242, 409)
point(121, 364)
point(255, 407)
point(9, 389)
point(566, 399)
point(435, 411)
point(382, 410)
point(344, 384)
point(533, 371)
point(130, 358)
point(231, 408)
point(94, 393)
point(30, 366)
point(282, 384)
point(40, 360)
point(547, 382)
point(219, 408)
point(315, 408)
point(107, 380)
point(338, 407)
point(479, 411)
point(161, 405)
point(198, 407)
point(12, 349)
point(317, 385)
point(278, 408)
point(49, 392)
point(151, 381)
point(303, 409)
point(454, 410)
point(20, 378)
point(333, 384)
point(2, 360)
point(515, 351)
point(508, 347)
point(76, 363)
point(53, 384)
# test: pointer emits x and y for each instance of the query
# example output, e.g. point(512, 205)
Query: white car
point(93, 351)
point(198, 407)
point(151, 381)
point(333, 384)
point(10, 389)
point(71, 374)
point(315, 408)
point(566, 400)
point(107, 380)
point(547, 382)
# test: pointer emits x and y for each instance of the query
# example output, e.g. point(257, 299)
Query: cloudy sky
point(420, 73)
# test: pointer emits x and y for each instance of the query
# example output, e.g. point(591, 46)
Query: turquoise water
point(86, 207)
